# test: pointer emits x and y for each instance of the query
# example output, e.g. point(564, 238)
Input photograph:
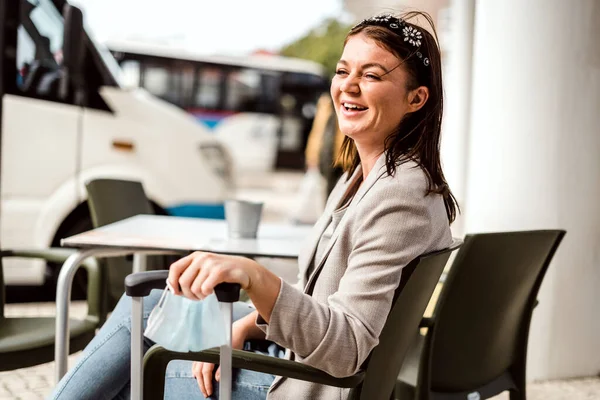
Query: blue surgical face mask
point(180, 324)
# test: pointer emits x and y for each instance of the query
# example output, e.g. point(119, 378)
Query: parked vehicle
point(67, 118)
point(260, 106)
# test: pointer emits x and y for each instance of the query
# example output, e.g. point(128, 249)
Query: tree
point(322, 44)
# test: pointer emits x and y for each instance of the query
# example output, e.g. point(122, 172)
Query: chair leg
point(519, 391)
point(517, 394)
point(404, 392)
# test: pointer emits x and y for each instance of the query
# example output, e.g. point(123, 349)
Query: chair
point(111, 200)
point(25, 342)
point(476, 341)
point(375, 382)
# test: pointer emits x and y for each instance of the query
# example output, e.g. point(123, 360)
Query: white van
point(66, 120)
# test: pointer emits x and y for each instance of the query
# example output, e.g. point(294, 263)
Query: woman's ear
point(417, 98)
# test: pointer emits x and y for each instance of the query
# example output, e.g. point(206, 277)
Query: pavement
point(279, 192)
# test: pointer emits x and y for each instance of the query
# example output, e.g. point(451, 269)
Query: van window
point(39, 49)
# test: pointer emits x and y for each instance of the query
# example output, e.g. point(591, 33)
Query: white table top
point(165, 233)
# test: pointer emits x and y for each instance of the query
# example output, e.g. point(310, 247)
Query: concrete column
point(534, 160)
point(456, 42)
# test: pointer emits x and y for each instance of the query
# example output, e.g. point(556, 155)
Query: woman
point(392, 205)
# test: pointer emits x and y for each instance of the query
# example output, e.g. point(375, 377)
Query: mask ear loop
point(164, 295)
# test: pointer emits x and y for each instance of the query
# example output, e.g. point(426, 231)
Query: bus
point(66, 118)
point(260, 106)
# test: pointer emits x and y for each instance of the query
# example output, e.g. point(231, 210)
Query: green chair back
point(418, 282)
point(112, 200)
point(477, 343)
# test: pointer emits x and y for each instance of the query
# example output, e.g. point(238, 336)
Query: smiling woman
point(388, 96)
point(391, 206)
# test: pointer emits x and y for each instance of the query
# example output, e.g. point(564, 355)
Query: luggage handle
point(228, 292)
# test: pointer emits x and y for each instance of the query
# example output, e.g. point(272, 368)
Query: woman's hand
point(203, 372)
point(196, 275)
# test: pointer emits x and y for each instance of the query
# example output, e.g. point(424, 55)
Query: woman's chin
point(351, 130)
point(354, 134)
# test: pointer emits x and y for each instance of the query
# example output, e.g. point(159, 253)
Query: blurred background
point(203, 101)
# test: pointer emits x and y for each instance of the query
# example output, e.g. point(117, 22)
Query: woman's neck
point(368, 158)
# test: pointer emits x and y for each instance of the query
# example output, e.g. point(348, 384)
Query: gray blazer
point(332, 319)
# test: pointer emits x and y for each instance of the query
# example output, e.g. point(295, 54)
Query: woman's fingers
point(207, 374)
point(176, 269)
point(196, 286)
point(187, 278)
point(203, 373)
point(197, 373)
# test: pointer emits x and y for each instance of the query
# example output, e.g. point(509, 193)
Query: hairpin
point(410, 34)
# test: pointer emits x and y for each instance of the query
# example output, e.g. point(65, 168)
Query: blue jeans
point(103, 370)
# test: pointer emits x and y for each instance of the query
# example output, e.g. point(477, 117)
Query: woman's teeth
point(349, 106)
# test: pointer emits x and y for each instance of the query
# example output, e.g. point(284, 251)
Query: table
point(158, 234)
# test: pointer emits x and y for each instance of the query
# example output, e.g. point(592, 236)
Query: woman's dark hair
point(418, 135)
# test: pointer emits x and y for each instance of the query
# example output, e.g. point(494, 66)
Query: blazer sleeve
point(393, 226)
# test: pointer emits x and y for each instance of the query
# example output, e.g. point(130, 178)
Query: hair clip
point(410, 34)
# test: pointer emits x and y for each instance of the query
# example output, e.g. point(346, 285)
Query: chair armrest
point(157, 357)
point(140, 284)
point(60, 255)
point(426, 322)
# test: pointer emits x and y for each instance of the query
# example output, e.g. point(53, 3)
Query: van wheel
point(72, 226)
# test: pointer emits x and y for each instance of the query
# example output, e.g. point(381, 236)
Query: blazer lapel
point(308, 255)
point(377, 171)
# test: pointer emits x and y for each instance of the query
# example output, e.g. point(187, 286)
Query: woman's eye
point(371, 76)
point(341, 72)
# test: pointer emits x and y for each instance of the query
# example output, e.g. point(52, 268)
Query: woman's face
point(369, 91)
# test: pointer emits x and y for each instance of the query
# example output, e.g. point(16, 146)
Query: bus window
point(208, 94)
point(243, 90)
point(270, 92)
point(131, 73)
point(306, 89)
point(186, 76)
point(173, 81)
point(156, 80)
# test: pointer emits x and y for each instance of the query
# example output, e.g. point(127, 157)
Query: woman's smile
point(352, 109)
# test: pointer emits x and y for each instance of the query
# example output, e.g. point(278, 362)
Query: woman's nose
point(350, 85)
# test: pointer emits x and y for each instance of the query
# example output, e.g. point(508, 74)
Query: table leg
point(139, 262)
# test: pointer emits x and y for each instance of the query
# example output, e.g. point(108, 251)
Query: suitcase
point(140, 284)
